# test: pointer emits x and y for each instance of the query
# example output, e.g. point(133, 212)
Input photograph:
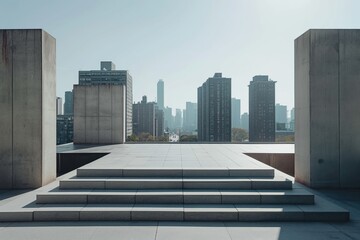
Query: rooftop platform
point(182, 183)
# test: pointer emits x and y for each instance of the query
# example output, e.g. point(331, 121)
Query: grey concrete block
point(57, 215)
point(251, 172)
point(16, 216)
point(210, 213)
point(202, 197)
point(165, 197)
point(159, 172)
point(61, 198)
point(156, 213)
point(144, 184)
point(93, 172)
point(286, 197)
point(105, 215)
point(271, 184)
point(217, 184)
point(205, 172)
point(269, 213)
point(115, 197)
point(236, 197)
point(82, 184)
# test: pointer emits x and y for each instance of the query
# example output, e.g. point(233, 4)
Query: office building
point(160, 94)
point(281, 117)
point(262, 109)
point(235, 113)
point(108, 75)
point(64, 129)
point(59, 106)
point(147, 118)
point(190, 117)
point(168, 119)
point(245, 121)
point(69, 104)
point(214, 110)
point(178, 119)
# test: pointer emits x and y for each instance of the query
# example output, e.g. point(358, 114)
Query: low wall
point(281, 161)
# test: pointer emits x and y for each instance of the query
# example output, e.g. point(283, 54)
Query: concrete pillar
point(27, 107)
point(99, 114)
point(327, 125)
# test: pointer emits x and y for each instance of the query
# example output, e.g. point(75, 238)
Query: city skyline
point(180, 42)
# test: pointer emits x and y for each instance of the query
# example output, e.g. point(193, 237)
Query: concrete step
point(176, 183)
point(174, 172)
point(177, 212)
point(296, 196)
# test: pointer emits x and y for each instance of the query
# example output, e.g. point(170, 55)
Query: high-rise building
point(280, 117)
point(107, 75)
point(147, 118)
point(214, 110)
point(178, 119)
point(245, 121)
point(64, 129)
point(262, 109)
point(59, 106)
point(235, 113)
point(160, 94)
point(292, 119)
point(168, 119)
point(190, 117)
point(68, 104)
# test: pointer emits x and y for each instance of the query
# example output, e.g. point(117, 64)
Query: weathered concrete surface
point(28, 118)
point(99, 116)
point(327, 87)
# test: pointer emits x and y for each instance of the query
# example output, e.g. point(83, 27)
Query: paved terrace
point(179, 156)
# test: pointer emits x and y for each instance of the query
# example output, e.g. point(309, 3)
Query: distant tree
point(163, 138)
point(239, 135)
point(132, 138)
point(188, 138)
point(288, 138)
point(146, 137)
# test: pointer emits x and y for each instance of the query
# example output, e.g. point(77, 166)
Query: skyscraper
point(68, 104)
point(262, 109)
point(280, 117)
point(168, 119)
point(147, 118)
point(160, 94)
point(59, 106)
point(245, 121)
point(108, 75)
point(235, 112)
point(190, 117)
point(214, 109)
point(178, 119)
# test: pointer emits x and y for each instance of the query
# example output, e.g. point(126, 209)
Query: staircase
point(180, 194)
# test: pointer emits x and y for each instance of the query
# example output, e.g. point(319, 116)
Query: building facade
point(245, 121)
point(281, 117)
point(64, 129)
point(262, 109)
point(235, 112)
point(147, 118)
point(160, 94)
point(214, 110)
point(59, 105)
point(190, 117)
point(69, 103)
point(108, 75)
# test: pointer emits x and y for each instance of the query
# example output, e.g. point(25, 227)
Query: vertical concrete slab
point(302, 108)
point(329, 86)
point(27, 109)
point(49, 108)
point(324, 108)
point(118, 113)
point(349, 108)
point(6, 119)
point(31, 109)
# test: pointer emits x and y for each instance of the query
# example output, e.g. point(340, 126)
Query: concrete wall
point(327, 125)
point(27, 106)
point(99, 114)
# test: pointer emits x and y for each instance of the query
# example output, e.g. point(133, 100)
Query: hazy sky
point(182, 42)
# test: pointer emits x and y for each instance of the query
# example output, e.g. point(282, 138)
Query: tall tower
point(235, 113)
point(68, 104)
point(160, 94)
point(214, 110)
point(262, 109)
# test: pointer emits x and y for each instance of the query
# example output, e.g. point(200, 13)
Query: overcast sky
point(182, 42)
